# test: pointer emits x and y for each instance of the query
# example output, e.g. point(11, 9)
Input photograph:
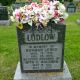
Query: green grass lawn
point(9, 55)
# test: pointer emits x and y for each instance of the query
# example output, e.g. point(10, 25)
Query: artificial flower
point(12, 19)
point(40, 13)
point(20, 26)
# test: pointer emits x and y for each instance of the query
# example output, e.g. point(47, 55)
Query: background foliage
point(7, 2)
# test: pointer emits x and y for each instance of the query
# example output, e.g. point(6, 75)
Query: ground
point(9, 55)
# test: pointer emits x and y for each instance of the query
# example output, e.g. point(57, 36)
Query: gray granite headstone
point(3, 13)
point(18, 5)
point(71, 7)
point(65, 75)
point(4, 19)
point(42, 50)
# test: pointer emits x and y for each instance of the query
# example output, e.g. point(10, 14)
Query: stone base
point(65, 75)
point(5, 22)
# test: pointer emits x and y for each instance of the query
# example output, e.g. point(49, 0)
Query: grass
point(9, 55)
point(8, 52)
point(72, 47)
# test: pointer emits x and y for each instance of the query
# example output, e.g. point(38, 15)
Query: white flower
point(30, 23)
point(23, 21)
point(62, 7)
point(36, 10)
point(56, 3)
point(12, 19)
point(22, 9)
point(56, 20)
point(31, 13)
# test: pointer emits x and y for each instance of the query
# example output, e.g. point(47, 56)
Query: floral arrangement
point(40, 13)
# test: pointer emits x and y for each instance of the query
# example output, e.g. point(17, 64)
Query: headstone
point(71, 8)
point(42, 50)
point(3, 13)
point(18, 5)
point(4, 19)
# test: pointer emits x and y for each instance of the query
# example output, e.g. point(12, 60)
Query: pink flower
point(56, 14)
point(46, 2)
point(61, 20)
point(33, 4)
point(29, 8)
point(17, 14)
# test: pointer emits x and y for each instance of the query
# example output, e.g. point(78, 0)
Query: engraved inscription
point(42, 56)
point(41, 36)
